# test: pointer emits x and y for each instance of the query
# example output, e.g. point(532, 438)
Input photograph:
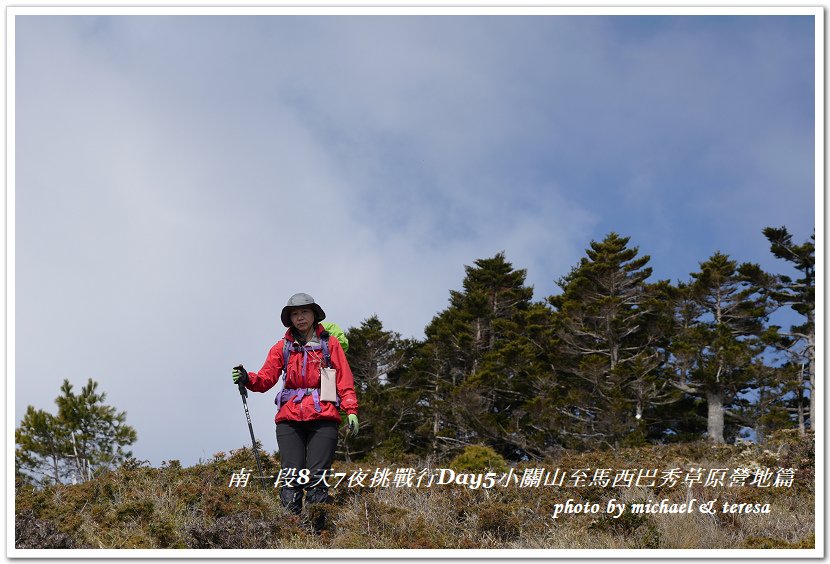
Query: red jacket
point(270, 373)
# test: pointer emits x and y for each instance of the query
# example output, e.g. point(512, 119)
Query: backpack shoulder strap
point(324, 344)
point(286, 351)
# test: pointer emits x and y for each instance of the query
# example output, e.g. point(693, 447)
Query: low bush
point(476, 458)
point(198, 508)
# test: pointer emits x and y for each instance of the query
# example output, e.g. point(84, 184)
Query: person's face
point(302, 318)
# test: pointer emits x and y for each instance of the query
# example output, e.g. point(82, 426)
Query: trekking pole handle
point(243, 391)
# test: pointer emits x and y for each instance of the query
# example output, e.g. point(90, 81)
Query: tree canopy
point(613, 359)
point(84, 438)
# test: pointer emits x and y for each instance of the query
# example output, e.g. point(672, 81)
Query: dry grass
point(174, 507)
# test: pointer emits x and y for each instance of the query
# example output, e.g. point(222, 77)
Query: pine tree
point(769, 411)
point(40, 447)
point(609, 351)
point(471, 361)
point(720, 338)
point(529, 401)
point(85, 438)
point(379, 360)
point(689, 416)
point(800, 295)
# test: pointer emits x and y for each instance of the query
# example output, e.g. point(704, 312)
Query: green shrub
point(476, 458)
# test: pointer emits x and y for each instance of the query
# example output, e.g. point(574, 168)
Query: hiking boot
point(292, 499)
point(317, 494)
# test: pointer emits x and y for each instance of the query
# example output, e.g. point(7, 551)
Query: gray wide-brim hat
point(301, 300)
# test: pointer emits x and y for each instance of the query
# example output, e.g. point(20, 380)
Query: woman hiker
point(307, 407)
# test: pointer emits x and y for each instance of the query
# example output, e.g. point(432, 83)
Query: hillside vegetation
point(141, 507)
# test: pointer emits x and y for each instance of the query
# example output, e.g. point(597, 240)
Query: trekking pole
point(243, 391)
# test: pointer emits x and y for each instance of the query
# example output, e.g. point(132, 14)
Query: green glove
point(335, 331)
point(240, 375)
point(354, 424)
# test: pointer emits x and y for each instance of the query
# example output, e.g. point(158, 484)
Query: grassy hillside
point(175, 507)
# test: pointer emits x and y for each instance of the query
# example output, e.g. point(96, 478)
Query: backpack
point(334, 330)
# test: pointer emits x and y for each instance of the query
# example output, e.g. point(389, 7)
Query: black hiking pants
point(306, 445)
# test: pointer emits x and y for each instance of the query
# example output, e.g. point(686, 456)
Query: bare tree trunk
point(715, 417)
point(802, 430)
point(79, 462)
point(435, 421)
point(478, 346)
point(495, 315)
point(812, 375)
point(55, 463)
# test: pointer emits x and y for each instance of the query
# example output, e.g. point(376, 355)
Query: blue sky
point(179, 177)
